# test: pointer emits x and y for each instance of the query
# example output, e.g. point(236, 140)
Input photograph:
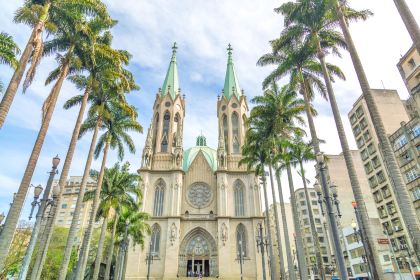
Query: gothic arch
point(155, 130)
point(225, 131)
point(241, 235)
point(207, 249)
point(239, 198)
point(166, 126)
point(235, 133)
point(155, 239)
point(159, 200)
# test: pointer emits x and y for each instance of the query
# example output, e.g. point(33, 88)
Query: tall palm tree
point(254, 156)
point(403, 198)
point(104, 101)
point(72, 33)
point(8, 52)
point(303, 152)
point(42, 15)
point(99, 63)
point(409, 21)
point(131, 226)
point(312, 22)
point(119, 189)
point(280, 111)
point(115, 136)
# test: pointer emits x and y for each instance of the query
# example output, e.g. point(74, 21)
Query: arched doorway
point(198, 254)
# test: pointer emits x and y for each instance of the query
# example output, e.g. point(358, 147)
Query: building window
point(235, 133)
point(416, 130)
point(385, 192)
point(371, 149)
point(165, 133)
point(314, 202)
point(303, 203)
point(159, 198)
point(375, 162)
point(360, 142)
point(396, 223)
point(357, 130)
point(391, 208)
point(365, 154)
point(317, 221)
point(155, 239)
point(363, 123)
point(368, 168)
point(64, 206)
point(382, 212)
point(416, 193)
point(366, 136)
point(241, 240)
point(377, 196)
point(239, 199)
point(359, 112)
point(353, 119)
point(411, 175)
point(400, 142)
point(225, 132)
point(405, 158)
point(381, 177)
point(373, 182)
point(412, 63)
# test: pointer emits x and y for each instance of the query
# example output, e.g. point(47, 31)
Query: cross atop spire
point(231, 86)
point(174, 48)
point(171, 83)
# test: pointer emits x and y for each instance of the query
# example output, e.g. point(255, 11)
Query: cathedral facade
point(205, 208)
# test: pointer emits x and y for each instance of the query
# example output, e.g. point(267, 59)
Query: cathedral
point(205, 209)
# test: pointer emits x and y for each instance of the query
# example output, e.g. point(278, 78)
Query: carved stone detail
point(200, 195)
point(224, 233)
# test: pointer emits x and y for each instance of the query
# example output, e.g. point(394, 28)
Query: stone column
point(172, 249)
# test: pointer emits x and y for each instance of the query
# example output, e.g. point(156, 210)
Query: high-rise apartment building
point(307, 235)
point(68, 202)
point(392, 112)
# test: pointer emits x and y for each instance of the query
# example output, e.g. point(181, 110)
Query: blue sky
point(202, 30)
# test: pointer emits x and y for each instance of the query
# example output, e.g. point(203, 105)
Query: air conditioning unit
point(397, 228)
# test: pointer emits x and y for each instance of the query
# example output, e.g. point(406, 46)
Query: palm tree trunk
point(276, 218)
point(404, 201)
point(101, 242)
point(52, 216)
point(76, 214)
point(268, 230)
point(84, 252)
point(322, 172)
point(315, 238)
point(409, 21)
point(111, 248)
point(303, 267)
point(12, 219)
point(14, 83)
point(118, 263)
point(125, 261)
point(290, 266)
point(373, 256)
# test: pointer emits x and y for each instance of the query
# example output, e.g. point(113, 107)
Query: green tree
point(8, 52)
point(42, 15)
point(109, 97)
point(102, 63)
point(279, 111)
point(73, 31)
point(255, 157)
point(130, 226)
point(119, 189)
point(403, 198)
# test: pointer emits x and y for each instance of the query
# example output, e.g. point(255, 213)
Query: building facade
point(374, 165)
point(68, 202)
point(406, 144)
point(204, 208)
point(307, 235)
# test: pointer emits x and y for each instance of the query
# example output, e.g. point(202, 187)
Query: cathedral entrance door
point(198, 255)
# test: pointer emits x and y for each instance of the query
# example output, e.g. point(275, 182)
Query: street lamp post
point(241, 257)
point(43, 204)
point(149, 259)
point(261, 242)
point(331, 215)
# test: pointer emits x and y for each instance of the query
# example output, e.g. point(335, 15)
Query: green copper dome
point(209, 154)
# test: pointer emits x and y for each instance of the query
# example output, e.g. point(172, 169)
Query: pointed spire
point(171, 83)
point(149, 139)
point(231, 81)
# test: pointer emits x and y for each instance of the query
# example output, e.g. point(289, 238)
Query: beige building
point(205, 209)
point(68, 202)
point(338, 175)
point(307, 235)
point(406, 144)
point(392, 111)
point(409, 67)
